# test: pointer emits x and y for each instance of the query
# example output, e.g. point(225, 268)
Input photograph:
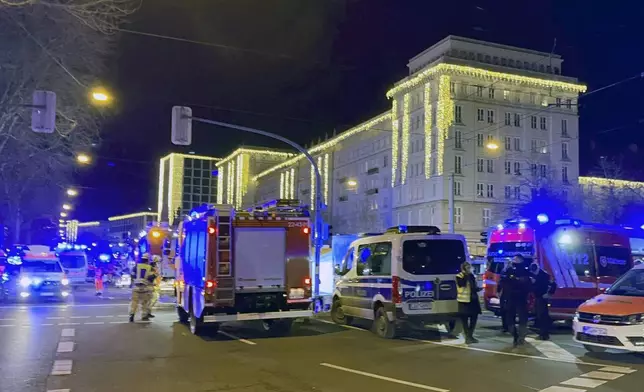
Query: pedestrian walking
point(469, 306)
point(142, 288)
point(543, 286)
point(516, 286)
point(98, 280)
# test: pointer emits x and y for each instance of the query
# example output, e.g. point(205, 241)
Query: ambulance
point(584, 259)
point(614, 319)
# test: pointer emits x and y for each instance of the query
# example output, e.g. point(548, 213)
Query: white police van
point(404, 277)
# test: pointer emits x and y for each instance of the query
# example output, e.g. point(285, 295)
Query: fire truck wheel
point(337, 314)
point(382, 326)
point(184, 317)
point(594, 349)
point(197, 326)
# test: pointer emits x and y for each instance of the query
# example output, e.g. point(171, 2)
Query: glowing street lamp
point(352, 183)
point(100, 96)
point(63, 214)
point(67, 207)
point(72, 192)
point(492, 146)
point(83, 159)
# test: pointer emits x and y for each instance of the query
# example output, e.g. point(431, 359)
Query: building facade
point(123, 227)
point(185, 181)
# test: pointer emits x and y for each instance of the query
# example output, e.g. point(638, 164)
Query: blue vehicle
point(406, 276)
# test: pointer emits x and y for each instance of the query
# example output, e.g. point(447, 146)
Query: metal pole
point(451, 203)
point(317, 235)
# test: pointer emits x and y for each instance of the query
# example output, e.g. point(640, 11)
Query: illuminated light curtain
point(394, 140)
point(405, 139)
point(238, 182)
point(427, 99)
point(326, 179)
point(160, 187)
point(313, 190)
point(282, 185)
point(220, 186)
point(229, 184)
point(292, 189)
point(444, 118)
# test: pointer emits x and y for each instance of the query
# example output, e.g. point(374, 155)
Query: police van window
point(347, 262)
point(432, 257)
point(375, 259)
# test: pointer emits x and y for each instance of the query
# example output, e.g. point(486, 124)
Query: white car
point(124, 281)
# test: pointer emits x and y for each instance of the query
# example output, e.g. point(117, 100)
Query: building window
point(543, 147)
point(533, 98)
point(517, 192)
point(508, 191)
point(508, 143)
point(558, 102)
point(543, 171)
point(542, 123)
point(564, 127)
point(487, 217)
point(458, 139)
point(479, 165)
point(506, 95)
point(457, 188)
point(508, 167)
point(458, 114)
point(568, 103)
point(517, 168)
point(517, 120)
point(533, 145)
point(564, 151)
point(490, 190)
point(490, 166)
point(479, 190)
point(479, 140)
point(452, 87)
point(544, 101)
point(533, 169)
point(564, 174)
point(479, 91)
point(458, 215)
point(490, 116)
point(533, 122)
point(508, 119)
point(480, 115)
point(517, 144)
point(491, 92)
point(458, 164)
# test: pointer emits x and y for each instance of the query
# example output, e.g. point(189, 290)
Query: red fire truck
point(584, 259)
point(244, 265)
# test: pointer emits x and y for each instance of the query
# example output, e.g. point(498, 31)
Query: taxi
point(615, 319)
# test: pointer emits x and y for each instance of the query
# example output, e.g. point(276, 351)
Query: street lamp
point(83, 159)
point(72, 192)
point(63, 214)
point(100, 96)
point(67, 207)
point(352, 183)
point(492, 146)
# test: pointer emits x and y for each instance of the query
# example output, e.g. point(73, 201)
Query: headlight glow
point(25, 282)
point(64, 281)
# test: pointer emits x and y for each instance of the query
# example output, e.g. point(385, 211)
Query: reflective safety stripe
point(141, 272)
point(464, 293)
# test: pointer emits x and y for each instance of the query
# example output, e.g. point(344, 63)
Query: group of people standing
point(517, 282)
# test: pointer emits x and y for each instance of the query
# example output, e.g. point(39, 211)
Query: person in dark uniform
point(469, 306)
point(503, 300)
point(543, 287)
point(516, 286)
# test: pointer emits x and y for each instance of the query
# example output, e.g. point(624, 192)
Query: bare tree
point(58, 46)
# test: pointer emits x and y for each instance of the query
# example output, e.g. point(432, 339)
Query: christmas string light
point(427, 99)
point(444, 118)
point(394, 141)
point(405, 138)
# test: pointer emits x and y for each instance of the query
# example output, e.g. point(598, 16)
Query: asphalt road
point(88, 346)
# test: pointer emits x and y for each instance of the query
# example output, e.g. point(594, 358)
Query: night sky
point(302, 68)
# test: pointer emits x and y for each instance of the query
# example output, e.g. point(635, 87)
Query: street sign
point(181, 125)
point(43, 112)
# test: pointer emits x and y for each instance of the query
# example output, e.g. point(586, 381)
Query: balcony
point(373, 170)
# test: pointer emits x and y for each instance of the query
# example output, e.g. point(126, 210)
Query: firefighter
point(543, 286)
point(156, 289)
point(516, 286)
point(143, 279)
point(98, 280)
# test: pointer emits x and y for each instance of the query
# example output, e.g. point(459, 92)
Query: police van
point(404, 277)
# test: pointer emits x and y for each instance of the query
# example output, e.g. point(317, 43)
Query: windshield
point(73, 261)
point(41, 266)
point(631, 284)
point(433, 257)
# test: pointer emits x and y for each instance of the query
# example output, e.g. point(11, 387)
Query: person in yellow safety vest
point(142, 280)
point(469, 306)
point(156, 290)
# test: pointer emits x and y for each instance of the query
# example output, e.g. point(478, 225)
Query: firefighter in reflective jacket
point(143, 280)
point(156, 289)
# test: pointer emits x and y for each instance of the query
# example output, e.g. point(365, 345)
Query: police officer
point(543, 287)
point(503, 298)
point(469, 306)
point(142, 280)
point(516, 286)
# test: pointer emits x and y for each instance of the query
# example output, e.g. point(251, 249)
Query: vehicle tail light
point(212, 230)
point(307, 281)
point(396, 290)
point(306, 230)
point(211, 284)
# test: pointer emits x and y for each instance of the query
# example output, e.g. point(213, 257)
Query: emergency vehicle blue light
point(83, 246)
point(402, 228)
point(215, 173)
point(521, 225)
point(499, 227)
point(500, 251)
point(104, 257)
point(642, 227)
point(76, 247)
point(542, 218)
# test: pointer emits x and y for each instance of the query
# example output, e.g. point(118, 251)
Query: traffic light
point(43, 112)
point(484, 237)
point(181, 125)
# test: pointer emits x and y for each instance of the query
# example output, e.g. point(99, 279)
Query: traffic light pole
point(318, 194)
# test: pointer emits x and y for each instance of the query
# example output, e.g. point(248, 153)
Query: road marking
point(68, 332)
point(602, 375)
point(58, 390)
point(65, 347)
point(80, 317)
point(8, 325)
point(617, 369)
point(237, 338)
point(104, 316)
point(62, 367)
point(7, 319)
point(69, 323)
point(379, 377)
point(118, 322)
point(56, 318)
point(557, 388)
point(94, 323)
point(551, 349)
point(21, 308)
point(583, 382)
point(343, 326)
point(46, 325)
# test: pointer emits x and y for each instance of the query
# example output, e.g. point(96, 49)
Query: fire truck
point(244, 265)
point(584, 259)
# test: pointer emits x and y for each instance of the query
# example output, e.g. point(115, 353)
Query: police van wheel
point(382, 326)
point(337, 314)
point(184, 317)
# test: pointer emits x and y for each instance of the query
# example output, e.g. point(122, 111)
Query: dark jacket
point(543, 284)
point(515, 283)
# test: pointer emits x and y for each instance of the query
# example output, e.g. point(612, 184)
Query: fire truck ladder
point(225, 290)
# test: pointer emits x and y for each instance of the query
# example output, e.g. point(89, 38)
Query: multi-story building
point(123, 227)
point(185, 181)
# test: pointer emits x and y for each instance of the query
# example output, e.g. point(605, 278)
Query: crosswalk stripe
point(584, 382)
point(617, 369)
point(602, 375)
point(557, 388)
